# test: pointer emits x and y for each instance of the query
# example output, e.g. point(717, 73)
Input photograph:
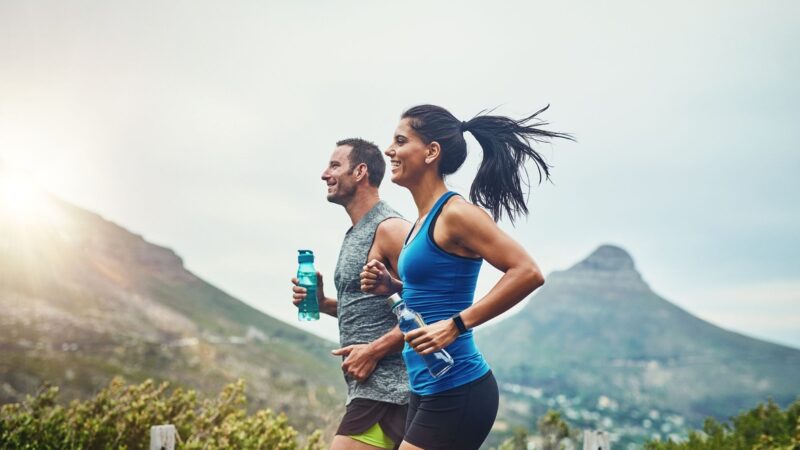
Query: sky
point(205, 126)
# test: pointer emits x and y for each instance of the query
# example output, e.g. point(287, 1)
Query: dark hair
point(506, 144)
point(365, 152)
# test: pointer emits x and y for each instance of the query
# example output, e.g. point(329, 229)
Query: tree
point(517, 442)
point(553, 430)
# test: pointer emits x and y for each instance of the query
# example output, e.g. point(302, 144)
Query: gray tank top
point(366, 317)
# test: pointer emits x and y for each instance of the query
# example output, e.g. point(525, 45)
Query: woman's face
point(407, 155)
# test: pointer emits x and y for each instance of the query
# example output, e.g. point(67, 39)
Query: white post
point(595, 440)
point(162, 437)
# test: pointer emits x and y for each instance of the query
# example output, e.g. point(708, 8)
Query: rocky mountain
point(597, 343)
point(83, 300)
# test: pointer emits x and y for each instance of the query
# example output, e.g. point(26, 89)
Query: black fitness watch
point(459, 323)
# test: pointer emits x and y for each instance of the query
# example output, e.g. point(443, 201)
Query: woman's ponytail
point(507, 144)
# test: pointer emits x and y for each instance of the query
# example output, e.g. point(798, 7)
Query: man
point(377, 384)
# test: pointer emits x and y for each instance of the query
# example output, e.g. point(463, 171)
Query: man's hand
point(376, 279)
point(359, 362)
point(326, 305)
point(432, 338)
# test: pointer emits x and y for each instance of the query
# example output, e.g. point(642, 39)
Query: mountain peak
point(608, 258)
point(607, 264)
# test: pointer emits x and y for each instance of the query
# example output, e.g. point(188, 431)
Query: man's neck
point(361, 204)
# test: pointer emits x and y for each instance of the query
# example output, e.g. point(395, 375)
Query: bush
point(764, 427)
point(120, 417)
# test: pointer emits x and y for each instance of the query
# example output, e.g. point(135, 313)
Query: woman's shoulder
point(459, 212)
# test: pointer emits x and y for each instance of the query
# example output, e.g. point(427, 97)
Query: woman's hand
point(432, 338)
point(376, 279)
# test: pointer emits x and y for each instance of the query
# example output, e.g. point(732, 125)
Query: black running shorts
point(456, 419)
point(363, 413)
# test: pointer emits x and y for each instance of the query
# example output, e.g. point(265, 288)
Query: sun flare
point(21, 200)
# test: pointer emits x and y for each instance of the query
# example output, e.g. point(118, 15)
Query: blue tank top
point(438, 284)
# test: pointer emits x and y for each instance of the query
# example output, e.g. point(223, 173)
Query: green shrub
point(120, 417)
point(762, 428)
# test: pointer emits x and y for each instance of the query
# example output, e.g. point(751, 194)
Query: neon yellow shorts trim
point(375, 437)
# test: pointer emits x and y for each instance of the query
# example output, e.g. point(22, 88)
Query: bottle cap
point(305, 256)
point(394, 301)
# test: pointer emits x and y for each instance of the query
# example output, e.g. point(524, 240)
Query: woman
point(440, 261)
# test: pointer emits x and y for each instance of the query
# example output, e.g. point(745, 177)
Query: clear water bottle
point(308, 309)
point(438, 363)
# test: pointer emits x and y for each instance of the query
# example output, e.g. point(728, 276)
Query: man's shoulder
point(385, 210)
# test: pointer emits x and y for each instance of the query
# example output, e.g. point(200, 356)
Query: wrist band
point(459, 324)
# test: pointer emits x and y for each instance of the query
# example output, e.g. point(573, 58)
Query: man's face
point(339, 176)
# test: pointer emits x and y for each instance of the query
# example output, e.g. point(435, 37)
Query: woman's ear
point(433, 152)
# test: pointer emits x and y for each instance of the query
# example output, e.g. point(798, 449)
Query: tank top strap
point(434, 212)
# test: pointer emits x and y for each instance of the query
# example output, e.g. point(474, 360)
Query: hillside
point(84, 299)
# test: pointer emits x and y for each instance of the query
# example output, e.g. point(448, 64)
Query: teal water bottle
point(308, 309)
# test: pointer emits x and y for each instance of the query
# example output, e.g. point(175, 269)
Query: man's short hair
point(365, 152)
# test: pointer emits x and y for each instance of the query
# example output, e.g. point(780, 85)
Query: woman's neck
point(426, 193)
